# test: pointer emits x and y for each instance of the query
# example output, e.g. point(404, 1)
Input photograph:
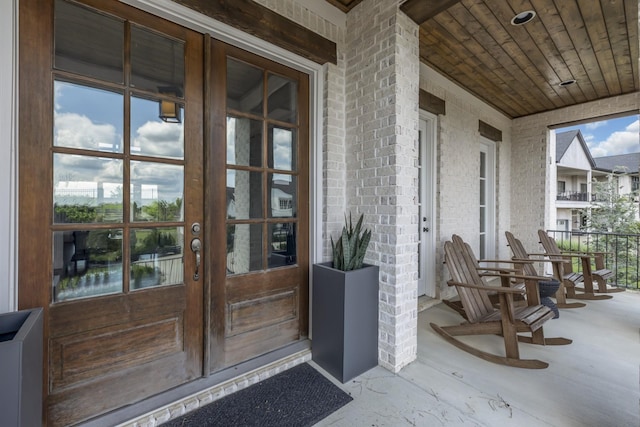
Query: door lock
point(195, 228)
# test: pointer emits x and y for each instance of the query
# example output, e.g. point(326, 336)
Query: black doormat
point(300, 396)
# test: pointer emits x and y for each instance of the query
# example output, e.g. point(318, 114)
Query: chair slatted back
point(553, 251)
point(476, 302)
point(520, 253)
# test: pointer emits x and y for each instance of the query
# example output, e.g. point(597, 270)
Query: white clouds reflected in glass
point(282, 140)
point(87, 118)
point(150, 136)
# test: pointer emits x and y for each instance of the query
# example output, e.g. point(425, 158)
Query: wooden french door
point(111, 199)
point(259, 198)
point(164, 203)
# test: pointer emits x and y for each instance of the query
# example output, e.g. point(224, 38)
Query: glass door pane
point(262, 169)
point(118, 222)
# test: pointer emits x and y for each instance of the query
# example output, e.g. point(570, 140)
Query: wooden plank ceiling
point(518, 69)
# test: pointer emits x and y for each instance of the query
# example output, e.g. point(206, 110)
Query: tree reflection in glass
point(86, 189)
point(157, 191)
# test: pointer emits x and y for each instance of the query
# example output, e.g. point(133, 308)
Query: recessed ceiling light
point(523, 17)
point(567, 82)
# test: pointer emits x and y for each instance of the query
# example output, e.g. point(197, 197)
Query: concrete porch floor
point(592, 382)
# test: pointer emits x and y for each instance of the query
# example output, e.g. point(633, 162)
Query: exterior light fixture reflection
point(169, 112)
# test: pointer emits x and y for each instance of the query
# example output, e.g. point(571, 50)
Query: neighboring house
point(625, 168)
point(269, 121)
point(576, 170)
point(574, 166)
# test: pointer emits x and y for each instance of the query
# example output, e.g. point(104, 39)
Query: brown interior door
point(111, 185)
point(259, 193)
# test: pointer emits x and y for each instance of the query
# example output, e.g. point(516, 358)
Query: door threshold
point(190, 396)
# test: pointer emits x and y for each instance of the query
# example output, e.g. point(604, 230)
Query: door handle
point(196, 246)
point(425, 229)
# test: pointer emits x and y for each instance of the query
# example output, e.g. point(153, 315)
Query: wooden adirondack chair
point(572, 278)
point(484, 271)
point(519, 253)
point(484, 319)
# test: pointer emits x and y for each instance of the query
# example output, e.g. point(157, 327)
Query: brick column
point(381, 92)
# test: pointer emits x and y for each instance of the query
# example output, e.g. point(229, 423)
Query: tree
point(614, 214)
point(611, 211)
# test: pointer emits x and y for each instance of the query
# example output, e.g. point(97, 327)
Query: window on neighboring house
point(561, 195)
point(635, 183)
point(576, 220)
point(583, 192)
point(286, 203)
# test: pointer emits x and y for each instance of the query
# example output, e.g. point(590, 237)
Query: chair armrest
point(523, 279)
point(506, 270)
point(515, 290)
point(587, 252)
point(533, 261)
point(495, 261)
point(576, 255)
point(524, 260)
point(513, 261)
point(537, 278)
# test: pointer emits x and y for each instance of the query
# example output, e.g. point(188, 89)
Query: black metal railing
point(574, 196)
point(622, 252)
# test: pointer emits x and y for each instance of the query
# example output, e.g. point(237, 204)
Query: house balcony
point(573, 200)
point(574, 196)
point(591, 382)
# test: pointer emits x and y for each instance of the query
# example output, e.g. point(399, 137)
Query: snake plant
point(351, 247)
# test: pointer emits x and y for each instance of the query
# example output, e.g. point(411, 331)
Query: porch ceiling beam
point(421, 11)
point(265, 24)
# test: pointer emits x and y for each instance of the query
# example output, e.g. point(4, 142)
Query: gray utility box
point(21, 368)
point(345, 320)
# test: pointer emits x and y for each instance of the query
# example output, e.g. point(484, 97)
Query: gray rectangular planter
point(345, 320)
point(21, 368)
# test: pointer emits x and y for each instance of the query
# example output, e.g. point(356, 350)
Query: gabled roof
point(629, 163)
point(564, 140)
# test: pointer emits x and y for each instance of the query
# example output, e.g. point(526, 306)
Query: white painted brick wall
point(334, 159)
point(300, 14)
